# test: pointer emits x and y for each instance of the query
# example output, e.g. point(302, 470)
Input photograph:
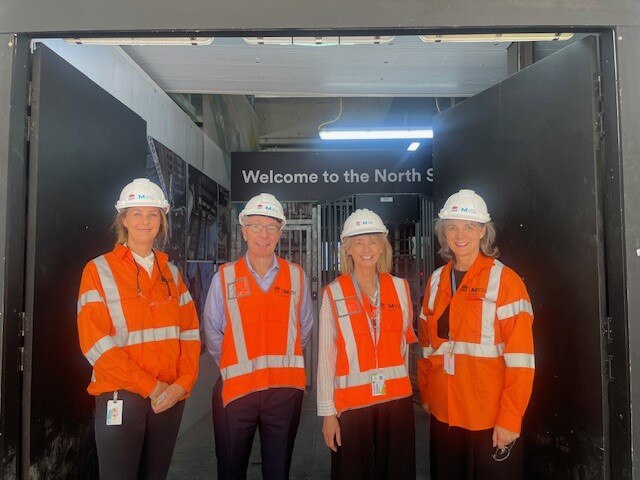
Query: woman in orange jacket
point(138, 328)
point(364, 391)
point(477, 369)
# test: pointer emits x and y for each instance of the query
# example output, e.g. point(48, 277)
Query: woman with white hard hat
point(477, 370)
point(138, 328)
point(364, 390)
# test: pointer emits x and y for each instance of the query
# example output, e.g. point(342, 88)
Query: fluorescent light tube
point(141, 41)
point(413, 147)
point(319, 41)
point(497, 37)
point(376, 133)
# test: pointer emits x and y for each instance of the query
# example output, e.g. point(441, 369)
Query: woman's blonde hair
point(122, 234)
point(384, 262)
point(487, 246)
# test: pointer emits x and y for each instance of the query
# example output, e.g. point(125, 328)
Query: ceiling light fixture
point(413, 147)
point(376, 133)
point(319, 41)
point(497, 37)
point(197, 41)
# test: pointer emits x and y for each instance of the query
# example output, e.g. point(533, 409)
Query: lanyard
point(374, 323)
point(454, 287)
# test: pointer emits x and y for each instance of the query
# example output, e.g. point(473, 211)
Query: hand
point(425, 407)
point(503, 437)
point(160, 387)
point(331, 432)
point(168, 398)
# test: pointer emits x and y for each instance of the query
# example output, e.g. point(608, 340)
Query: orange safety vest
point(261, 347)
point(356, 356)
point(491, 343)
point(133, 340)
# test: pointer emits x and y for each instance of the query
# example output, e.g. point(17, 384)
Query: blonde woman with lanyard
point(476, 332)
point(364, 391)
point(138, 328)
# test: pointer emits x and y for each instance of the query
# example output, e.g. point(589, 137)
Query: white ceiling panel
point(406, 67)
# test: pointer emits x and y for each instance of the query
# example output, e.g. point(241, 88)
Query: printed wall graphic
point(199, 276)
point(203, 216)
point(224, 224)
point(168, 170)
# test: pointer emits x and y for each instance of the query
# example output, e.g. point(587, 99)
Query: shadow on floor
point(194, 456)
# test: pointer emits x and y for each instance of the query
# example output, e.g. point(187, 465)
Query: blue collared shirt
point(215, 320)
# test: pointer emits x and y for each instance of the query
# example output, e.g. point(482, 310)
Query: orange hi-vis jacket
point(356, 350)
point(261, 347)
point(133, 339)
point(491, 343)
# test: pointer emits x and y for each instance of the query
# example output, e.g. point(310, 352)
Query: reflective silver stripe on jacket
point(260, 363)
point(90, 296)
point(105, 344)
point(175, 273)
point(229, 278)
point(364, 378)
point(193, 334)
point(344, 320)
point(269, 361)
point(465, 348)
point(488, 335)
point(403, 296)
point(433, 287)
point(513, 309)
point(296, 294)
point(114, 304)
point(153, 335)
point(137, 337)
point(185, 298)
point(522, 360)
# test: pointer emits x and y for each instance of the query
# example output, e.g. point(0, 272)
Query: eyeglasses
point(153, 303)
point(257, 228)
point(501, 454)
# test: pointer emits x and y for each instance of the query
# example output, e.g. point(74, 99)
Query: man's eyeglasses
point(257, 228)
point(501, 454)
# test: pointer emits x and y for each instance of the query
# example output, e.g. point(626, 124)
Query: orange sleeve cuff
point(147, 385)
point(510, 421)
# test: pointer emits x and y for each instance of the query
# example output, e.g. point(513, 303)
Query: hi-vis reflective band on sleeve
point(90, 296)
point(356, 376)
point(185, 298)
point(513, 309)
point(246, 365)
point(136, 337)
point(519, 360)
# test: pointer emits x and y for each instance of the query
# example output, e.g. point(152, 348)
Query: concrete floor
point(194, 456)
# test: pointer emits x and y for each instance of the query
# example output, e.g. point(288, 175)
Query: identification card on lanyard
point(114, 410)
point(377, 384)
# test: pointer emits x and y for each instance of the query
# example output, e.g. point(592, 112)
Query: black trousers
point(461, 454)
point(142, 446)
point(378, 442)
point(275, 412)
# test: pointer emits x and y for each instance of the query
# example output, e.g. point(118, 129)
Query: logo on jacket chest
point(283, 291)
point(473, 290)
point(238, 289)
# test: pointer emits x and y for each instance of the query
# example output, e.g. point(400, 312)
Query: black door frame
point(620, 72)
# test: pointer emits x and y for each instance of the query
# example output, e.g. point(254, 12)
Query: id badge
point(114, 411)
point(449, 363)
point(377, 384)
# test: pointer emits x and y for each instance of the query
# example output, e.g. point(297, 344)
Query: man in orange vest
point(258, 317)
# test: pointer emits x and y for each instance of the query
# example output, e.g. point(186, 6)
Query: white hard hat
point(465, 205)
point(264, 204)
point(142, 192)
point(361, 222)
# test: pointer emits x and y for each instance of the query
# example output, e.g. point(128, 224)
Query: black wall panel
point(85, 147)
point(530, 147)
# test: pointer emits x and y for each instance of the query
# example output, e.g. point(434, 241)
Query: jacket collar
point(480, 264)
point(121, 252)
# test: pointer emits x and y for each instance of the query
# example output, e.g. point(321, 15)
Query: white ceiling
point(407, 67)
